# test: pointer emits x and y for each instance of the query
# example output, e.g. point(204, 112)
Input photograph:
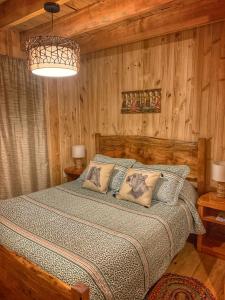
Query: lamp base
point(220, 190)
point(78, 163)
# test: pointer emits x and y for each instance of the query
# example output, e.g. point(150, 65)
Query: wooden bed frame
point(23, 280)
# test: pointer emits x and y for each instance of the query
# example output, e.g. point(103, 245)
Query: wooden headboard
point(150, 150)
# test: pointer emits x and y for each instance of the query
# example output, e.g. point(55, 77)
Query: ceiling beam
point(98, 15)
point(16, 12)
point(182, 15)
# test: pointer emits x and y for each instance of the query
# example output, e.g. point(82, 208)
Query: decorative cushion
point(168, 187)
point(98, 176)
point(138, 186)
point(119, 172)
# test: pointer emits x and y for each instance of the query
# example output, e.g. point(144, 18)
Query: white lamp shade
point(78, 151)
point(53, 56)
point(55, 67)
point(218, 171)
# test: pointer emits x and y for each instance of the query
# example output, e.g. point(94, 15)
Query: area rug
point(176, 287)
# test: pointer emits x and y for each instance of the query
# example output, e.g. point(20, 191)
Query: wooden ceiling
point(99, 24)
point(28, 14)
point(68, 8)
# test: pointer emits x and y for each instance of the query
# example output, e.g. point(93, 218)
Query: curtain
point(23, 134)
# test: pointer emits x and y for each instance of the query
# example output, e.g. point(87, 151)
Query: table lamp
point(78, 153)
point(218, 175)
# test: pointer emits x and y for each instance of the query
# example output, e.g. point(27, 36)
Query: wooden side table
point(213, 242)
point(73, 173)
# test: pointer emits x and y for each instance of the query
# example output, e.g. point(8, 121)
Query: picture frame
point(141, 101)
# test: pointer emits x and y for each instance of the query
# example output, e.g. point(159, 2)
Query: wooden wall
point(10, 44)
point(64, 123)
point(188, 66)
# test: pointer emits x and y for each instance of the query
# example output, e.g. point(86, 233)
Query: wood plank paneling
point(99, 15)
point(16, 12)
point(111, 23)
point(54, 137)
point(45, 17)
point(189, 67)
point(64, 125)
point(42, 17)
point(10, 44)
point(178, 15)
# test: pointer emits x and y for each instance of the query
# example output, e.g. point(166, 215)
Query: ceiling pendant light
point(53, 56)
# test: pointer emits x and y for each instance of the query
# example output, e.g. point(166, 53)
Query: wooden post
point(80, 292)
point(201, 165)
point(200, 236)
point(97, 142)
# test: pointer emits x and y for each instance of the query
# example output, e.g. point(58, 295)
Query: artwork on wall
point(142, 101)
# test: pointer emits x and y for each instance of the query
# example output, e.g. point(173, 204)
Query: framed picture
point(142, 101)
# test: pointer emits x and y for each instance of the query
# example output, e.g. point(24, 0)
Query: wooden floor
point(207, 269)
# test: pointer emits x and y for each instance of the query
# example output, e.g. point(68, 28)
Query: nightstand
point(72, 173)
point(213, 242)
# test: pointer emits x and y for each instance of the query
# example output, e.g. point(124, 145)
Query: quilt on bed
point(119, 249)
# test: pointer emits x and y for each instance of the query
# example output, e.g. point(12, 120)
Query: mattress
point(118, 248)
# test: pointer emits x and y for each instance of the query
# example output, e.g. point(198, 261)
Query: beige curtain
point(23, 135)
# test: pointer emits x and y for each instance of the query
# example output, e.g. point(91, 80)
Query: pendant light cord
point(52, 23)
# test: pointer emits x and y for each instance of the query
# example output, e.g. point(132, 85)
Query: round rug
point(174, 287)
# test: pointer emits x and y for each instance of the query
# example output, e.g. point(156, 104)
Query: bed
point(67, 242)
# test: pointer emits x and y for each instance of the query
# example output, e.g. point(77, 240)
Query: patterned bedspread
point(118, 248)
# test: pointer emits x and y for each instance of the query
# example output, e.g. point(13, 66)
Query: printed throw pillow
point(119, 171)
point(171, 182)
point(138, 186)
point(98, 176)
